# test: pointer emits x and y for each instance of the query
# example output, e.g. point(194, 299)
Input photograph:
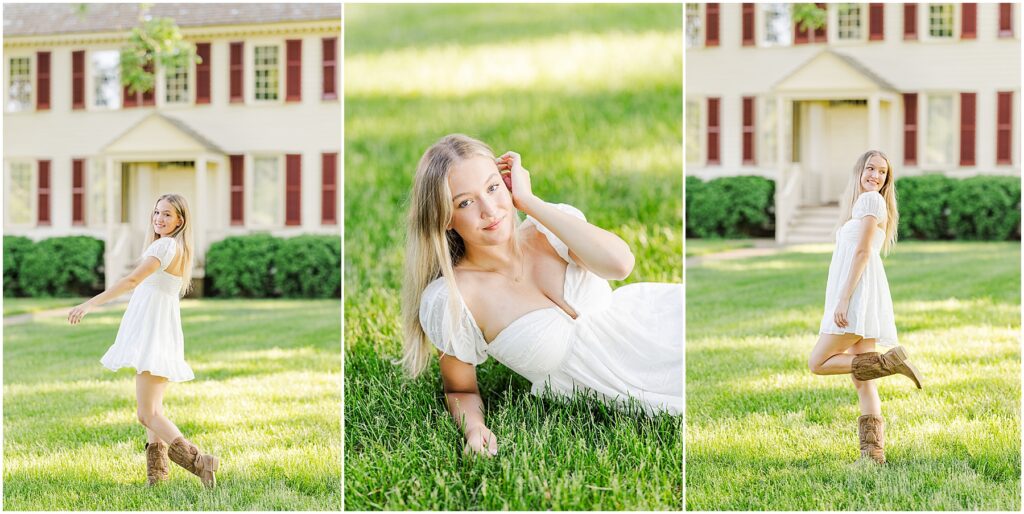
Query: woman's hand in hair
point(481, 441)
point(518, 179)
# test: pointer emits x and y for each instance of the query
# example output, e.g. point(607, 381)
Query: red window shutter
point(967, 120)
point(237, 189)
point(203, 73)
point(748, 130)
point(43, 81)
point(909, 129)
point(969, 21)
point(821, 33)
point(293, 190)
point(748, 24)
point(149, 97)
point(329, 189)
point(1004, 127)
point(129, 99)
point(78, 79)
point(78, 191)
point(237, 66)
point(714, 130)
point(711, 17)
point(1006, 19)
point(876, 22)
point(293, 89)
point(909, 21)
point(43, 216)
point(330, 65)
point(140, 98)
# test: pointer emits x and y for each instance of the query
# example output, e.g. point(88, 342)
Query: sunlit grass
point(526, 78)
point(266, 400)
point(763, 433)
point(14, 306)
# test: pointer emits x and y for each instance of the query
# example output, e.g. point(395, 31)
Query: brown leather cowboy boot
point(187, 455)
point(872, 365)
point(872, 437)
point(157, 465)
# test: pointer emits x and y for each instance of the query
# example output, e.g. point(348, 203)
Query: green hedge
point(730, 207)
point(58, 266)
point(264, 266)
point(982, 207)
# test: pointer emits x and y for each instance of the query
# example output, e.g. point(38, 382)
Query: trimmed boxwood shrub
point(15, 248)
point(242, 266)
point(922, 204)
point(985, 208)
point(309, 266)
point(62, 266)
point(730, 207)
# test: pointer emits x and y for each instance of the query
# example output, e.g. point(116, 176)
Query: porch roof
point(831, 71)
point(161, 134)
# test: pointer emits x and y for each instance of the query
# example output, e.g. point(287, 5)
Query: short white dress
point(150, 337)
point(870, 314)
point(624, 343)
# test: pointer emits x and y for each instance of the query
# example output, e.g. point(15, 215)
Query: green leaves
point(154, 41)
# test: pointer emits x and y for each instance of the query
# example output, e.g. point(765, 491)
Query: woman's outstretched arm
point(602, 252)
point(857, 266)
point(146, 268)
point(465, 405)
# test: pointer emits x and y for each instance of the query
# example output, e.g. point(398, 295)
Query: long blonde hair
point(182, 235)
point(888, 192)
point(431, 249)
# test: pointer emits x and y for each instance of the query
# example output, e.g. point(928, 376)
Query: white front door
point(844, 139)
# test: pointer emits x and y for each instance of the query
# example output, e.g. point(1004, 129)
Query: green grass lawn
point(265, 400)
point(763, 433)
point(13, 306)
point(591, 96)
point(700, 247)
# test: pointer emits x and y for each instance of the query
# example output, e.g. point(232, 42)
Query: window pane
point(266, 70)
point(940, 20)
point(106, 79)
point(19, 88)
point(849, 21)
point(19, 194)
point(940, 130)
point(778, 25)
point(267, 191)
point(177, 85)
point(693, 131)
point(693, 25)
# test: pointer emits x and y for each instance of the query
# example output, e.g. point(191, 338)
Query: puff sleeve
point(163, 249)
point(463, 339)
point(870, 204)
point(556, 243)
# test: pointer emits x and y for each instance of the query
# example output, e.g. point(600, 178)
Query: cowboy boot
point(872, 365)
point(187, 455)
point(872, 437)
point(157, 465)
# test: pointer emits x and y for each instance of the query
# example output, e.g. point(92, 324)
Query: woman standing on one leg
point(858, 307)
point(150, 337)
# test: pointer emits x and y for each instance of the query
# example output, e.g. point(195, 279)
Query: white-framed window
point(778, 25)
point(266, 202)
point(267, 72)
point(105, 72)
point(941, 20)
point(176, 85)
point(694, 25)
point(694, 131)
point(19, 84)
point(850, 22)
point(96, 193)
point(20, 189)
point(940, 129)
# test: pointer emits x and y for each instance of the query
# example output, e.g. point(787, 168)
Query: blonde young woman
point(534, 294)
point(858, 307)
point(150, 339)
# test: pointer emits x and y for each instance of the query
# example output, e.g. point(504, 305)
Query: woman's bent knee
point(145, 417)
point(815, 366)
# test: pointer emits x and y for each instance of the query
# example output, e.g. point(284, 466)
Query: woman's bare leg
point(867, 391)
point(829, 355)
point(149, 394)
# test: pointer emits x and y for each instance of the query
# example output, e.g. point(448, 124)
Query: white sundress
point(150, 337)
point(870, 314)
point(623, 343)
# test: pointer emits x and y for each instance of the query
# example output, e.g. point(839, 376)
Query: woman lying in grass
point(532, 294)
point(858, 308)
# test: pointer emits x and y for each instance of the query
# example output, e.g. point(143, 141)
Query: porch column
point(108, 257)
point(780, 135)
point(874, 122)
point(199, 210)
point(895, 130)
